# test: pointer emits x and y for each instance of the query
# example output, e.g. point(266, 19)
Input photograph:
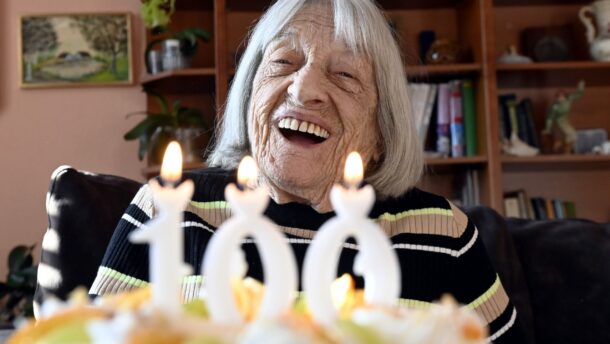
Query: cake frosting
point(129, 318)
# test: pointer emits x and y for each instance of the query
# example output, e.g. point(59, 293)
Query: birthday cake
point(234, 309)
point(129, 318)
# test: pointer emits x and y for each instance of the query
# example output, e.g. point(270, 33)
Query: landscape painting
point(75, 50)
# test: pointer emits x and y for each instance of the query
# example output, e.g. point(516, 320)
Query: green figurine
point(558, 119)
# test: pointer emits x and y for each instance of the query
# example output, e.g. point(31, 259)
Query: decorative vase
point(600, 43)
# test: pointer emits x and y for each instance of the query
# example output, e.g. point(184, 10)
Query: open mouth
point(302, 132)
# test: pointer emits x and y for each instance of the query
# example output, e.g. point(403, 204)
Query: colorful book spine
point(456, 119)
point(570, 209)
point(470, 118)
point(423, 129)
point(558, 207)
point(443, 143)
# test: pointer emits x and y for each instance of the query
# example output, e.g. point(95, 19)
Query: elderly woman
point(320, 79)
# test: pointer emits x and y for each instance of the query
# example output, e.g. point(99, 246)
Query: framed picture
point(58, 50)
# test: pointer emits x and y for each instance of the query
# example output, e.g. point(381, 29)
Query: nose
point(308, 87)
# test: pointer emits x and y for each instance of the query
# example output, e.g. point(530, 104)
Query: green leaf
point(176, 107)
point(15, 280)
point(191, 117)
point(147, 126)
point(201, 34)
point(161, 101)
point(20, 257)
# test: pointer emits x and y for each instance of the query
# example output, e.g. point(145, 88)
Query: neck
point(317, 198)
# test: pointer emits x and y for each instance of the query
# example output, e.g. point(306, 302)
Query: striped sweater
point(438, 248)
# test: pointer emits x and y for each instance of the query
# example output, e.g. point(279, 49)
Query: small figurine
point(512, 56)
point(558, 125)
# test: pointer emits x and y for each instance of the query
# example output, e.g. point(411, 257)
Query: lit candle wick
point(352, 176)
point(246, 173)
point(171, 168)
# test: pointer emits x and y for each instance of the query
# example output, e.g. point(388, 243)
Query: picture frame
point(73, 50)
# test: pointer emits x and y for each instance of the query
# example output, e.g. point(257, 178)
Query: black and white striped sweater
point(438, 248)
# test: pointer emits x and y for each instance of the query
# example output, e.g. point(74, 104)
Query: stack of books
point(445, 114)
point(518, 204)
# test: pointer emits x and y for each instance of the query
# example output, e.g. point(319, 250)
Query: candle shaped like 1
point(164, 233)
point(376, 260)
point(279, 264)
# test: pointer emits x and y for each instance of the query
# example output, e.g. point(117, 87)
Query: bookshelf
point(485, 28)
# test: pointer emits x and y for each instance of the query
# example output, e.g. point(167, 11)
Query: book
point(511, 207)
point(524, 207)
point(512, 116)
point(539, 206)
point(503, 100)
point(570, 209)
point(550, 210)
point(443, 143)
point(418, 93)
point(470, 118)
point(456, 119)
point(532, 133)
point(521, 116)
point(428, 109)
point(558, 207)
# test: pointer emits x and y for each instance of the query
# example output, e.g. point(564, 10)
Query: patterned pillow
point(83, 209)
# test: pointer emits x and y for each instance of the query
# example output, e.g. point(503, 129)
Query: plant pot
point(193, 142)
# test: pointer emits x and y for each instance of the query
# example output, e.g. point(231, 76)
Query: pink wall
point(41, 129)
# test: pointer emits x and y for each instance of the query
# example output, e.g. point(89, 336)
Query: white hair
point(362, 26)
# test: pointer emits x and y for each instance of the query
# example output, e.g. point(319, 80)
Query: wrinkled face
point(313, 101)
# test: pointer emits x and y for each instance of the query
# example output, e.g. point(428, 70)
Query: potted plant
point(156, 15)
point(187, 125)
point(17, 292)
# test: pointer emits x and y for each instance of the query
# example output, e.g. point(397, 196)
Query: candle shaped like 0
point(164, 233)
point(376, 260)
point(279, 264)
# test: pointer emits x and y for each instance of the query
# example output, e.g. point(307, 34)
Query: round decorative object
point(551, 48)
point(444, 51)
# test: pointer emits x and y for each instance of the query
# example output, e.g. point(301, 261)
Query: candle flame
point(171, 168)
point(341, 290)
point(353, 170)
point(247, 172)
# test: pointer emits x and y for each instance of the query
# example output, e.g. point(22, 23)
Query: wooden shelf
point(551, 66)
point(570, 162)
point(261, 5)
point(539, 2)
point(473, 160)
point(422, 70)
point(181, 80)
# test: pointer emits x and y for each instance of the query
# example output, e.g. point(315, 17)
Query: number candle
point(224, 250)
point(164, 233)
point(376, 259)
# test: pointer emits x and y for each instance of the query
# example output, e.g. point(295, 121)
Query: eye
point(282, 61)
point(346, 75)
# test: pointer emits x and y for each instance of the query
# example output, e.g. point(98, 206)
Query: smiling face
point(314, 100)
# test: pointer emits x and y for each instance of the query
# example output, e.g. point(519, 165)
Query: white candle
point(165, 235)
point(376, 260)
point(223, 261)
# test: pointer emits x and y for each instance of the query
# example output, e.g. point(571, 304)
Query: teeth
point(303, 126)
point(294, 124)
point(311, 128)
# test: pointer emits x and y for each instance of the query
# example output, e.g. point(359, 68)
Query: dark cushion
point(567, 269)
point(494, 232)
point(83, 210)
